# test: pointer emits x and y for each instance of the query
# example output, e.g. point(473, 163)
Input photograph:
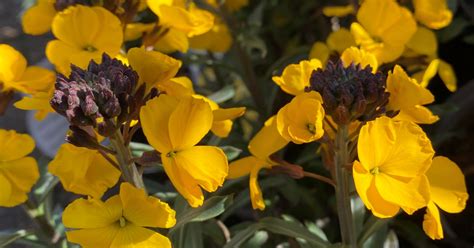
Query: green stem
point(342, 176)
point(46, 230)
point(124, 158)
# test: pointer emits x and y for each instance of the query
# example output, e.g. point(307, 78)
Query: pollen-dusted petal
point(447, 74)
point(14, 145)
point(37, 19)
point(295, 77)
point(380, 207)
point(182, 181)
point(92, 213)
point(267, 141)
point(95, 237)
point(432, 222)
point(189, 123)
point(206, 164)
point(255, 192)
point(154, 117)
point(434, 14)
point(23, 174)
point(143, 210)
point(243, 166)
point(450, 195)
point(12, 64)
point(152, 67)
point(135, 236)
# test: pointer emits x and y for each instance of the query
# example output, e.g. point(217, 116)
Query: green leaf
point(312, 227)
point(242, 236)
point(224, 94)
point(190, 236)
point(370, 227)
point(231, 152)
point(211, 208)
point(139, 148)
point(391, 241)
point(258, 239)
point(7, 238)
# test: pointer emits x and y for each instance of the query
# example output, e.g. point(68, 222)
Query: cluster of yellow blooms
point(394, 168)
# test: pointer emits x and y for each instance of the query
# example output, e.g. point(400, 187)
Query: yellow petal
point(37, 19)
point(255, 192)
point(353, 55)
point(450, 195)
point(295, 77)
point(174, 40)
point(434, 14)
point(136, 30)
point(423, 42)
point(143, 210)
point(320, 51)
point(6, 187)
point(152, 67)
point(432, 222)
point(12, 66)
point(189, 123)
point(95, 237)
point(362, 181)
point(380, 207)
point(243, 167)
point(430, 72)
point(14, 145)
point(417, 114)
point(267, 141)
point(135, 236)
point(338, 11)
point(37, 79)
point(222, 128)
point(447, 74)
point(228, 113)
point(182, 181)
point(22, 174)
point(193, 22)
point(92, 213)
point(154, 117)
point(206, 164)
point(218, 39)
point(340, 40)
point(38, 102)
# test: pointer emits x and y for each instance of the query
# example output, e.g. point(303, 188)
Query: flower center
point(171, 154)
point(311, 128)
point(122, 221)
point(375, 171)
point(89, 48)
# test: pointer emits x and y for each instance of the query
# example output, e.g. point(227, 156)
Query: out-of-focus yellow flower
point(340, 40)
point(301, 120)
point(83, 34)
point(121, 221)
point(174, 127)
point(320, 51)
point(423, 42)
point(393, 155)
point(152, 67)
point(295, 77)
point(15, 75)
point(173, 40)
point(338, 11)
point(83, 171)
point(354, 55)
point(385, 27)
point(449, 195)
point(218, 39)
point(136, 30)
point(434, 14)
point(39, 102)
point(37, 19)
point(409, 97)
point(18, 173)
point(266, 142)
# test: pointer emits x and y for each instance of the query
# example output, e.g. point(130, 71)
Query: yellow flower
point(83, 171)
point(301, 120)
point(434, 14)
point(152, 67)
point(37, 101)
point(340, 40)
point(18, 173)
point(356, 56)
point(174, 127)
point(393, 155)
point(409, 97)
point(83, 34)
point(320, 51)
point(338, 11)
point(15, 75)
point(385, 27)
point(447, 194)
point(121, 221)
point(136, 30)
point(218, 39)
point(295, 77)
point(37, 19)
point(266, 142)
point(173, 40)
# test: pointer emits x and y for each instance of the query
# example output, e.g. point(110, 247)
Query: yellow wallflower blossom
point(338, 11)
point(340, 40)
point(18, 173)
point(301, 120)
point(266, 142)
point(136, 30)
point(385, 27)
point(174, 127)
point(409, 97)
point(37, 19)
point(320, 51)
point(38, 102)
point(83, 33)
point(295, 77)
point(83, 171)
point(357, 56)
point(174, 40)
point(218, 39)
point(449, 195)
point(434, 14)
point(121, 221)
point(393, 155)
point(16, 75)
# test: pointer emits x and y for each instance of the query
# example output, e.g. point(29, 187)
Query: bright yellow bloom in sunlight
point(354, 55)
point(16, 75)
point(393, 155)
point(338, 11)
point(301, 120)
point(385, 27)
point(266, 142)
point(152, 67)
point(83, 34)
point(295, 77)
point(434, 14)
point(37, 19)
point(18, 173)
point(449, 194)
point(83, 171)
point(174, 127)
point(121, 221)
point(409, 97)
